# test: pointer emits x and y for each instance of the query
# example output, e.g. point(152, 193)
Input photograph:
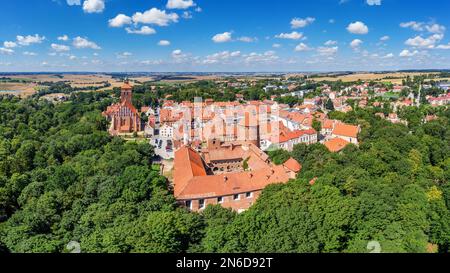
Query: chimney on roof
point(225, 179)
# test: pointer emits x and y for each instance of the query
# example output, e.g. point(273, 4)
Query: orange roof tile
point(293, 165)
point(286, 136)
point(232, 183)
point(342, 129)
point(336, 144)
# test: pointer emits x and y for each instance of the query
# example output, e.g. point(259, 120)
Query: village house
point(336, 145)
point(440, 100)
point(346, 132)
point(287, 139)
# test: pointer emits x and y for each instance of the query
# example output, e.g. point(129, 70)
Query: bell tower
point(126, 92)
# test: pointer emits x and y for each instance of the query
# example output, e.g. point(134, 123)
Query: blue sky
point(223, 35)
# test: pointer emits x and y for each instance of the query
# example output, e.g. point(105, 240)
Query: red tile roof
point(336, 144)
point(287, 136)
point(191, 179)
point(293, 165)
point(342, 129)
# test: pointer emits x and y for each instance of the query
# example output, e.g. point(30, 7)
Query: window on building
point(188, 204)
point(220, 200)
point(236, 197)
point(201, 203)
point(249, 195)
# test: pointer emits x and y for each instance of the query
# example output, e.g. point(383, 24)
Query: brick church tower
point(126, 92)
point(124, 117)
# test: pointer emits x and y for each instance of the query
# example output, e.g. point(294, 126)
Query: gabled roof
point(287, 136)
point(191, 180)
point(336, 144)
point(232, 183)
point(293, 165)
point(187, 165)
point(342, 129)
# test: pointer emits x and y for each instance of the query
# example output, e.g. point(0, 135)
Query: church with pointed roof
point(123, 116)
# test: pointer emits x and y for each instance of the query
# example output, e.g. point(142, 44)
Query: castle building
point(231, 174)
point(123, 116)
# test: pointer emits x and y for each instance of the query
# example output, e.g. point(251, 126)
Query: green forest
point(63, 179)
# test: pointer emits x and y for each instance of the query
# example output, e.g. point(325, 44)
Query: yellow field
point(396, 77)
point(75, 80)
point(23, 89)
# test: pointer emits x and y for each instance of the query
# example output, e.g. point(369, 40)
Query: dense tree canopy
point(63, 178)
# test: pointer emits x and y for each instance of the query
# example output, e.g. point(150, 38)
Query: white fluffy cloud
point(180, 4)
point(164, 43)
point(435, 28)
point(443, 46)
point(327, 51)
point(358, 28)
point(179, 56)
point(60, 48)
point(266, 57)
point(145, 30)
point(156, 17)
point(94, 6)
point(6, 51)
point(373, 2)
point(80, 42)
point(222, 37)
point(73, 2)
point(421, 26)
point(28, 53)
point(30, 39)
point(302, 47)
point(246, 39)
point(223, 56)
point(120, 20)
point(63, 38)
point(9, 44)
point(300, 23)
point(123, 55)
point(293, 35)
point(407, 53)
point(330, 43)
point(417, 26)
point(385, 38)
point(421, 42)
point(355, 44)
